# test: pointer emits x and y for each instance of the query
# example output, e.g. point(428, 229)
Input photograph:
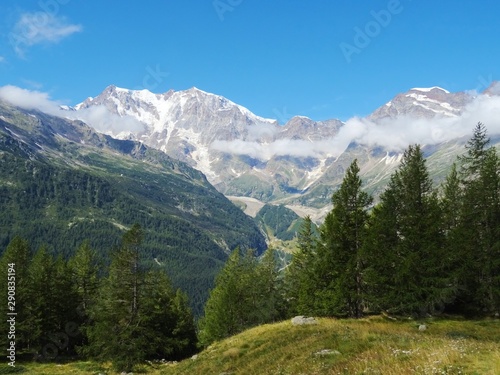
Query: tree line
point(123, 313)
point(420, 251)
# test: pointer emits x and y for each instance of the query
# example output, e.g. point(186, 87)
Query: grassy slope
point(367, 346)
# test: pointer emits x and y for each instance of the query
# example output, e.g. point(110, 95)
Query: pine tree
point(246, 294)
point(137, 315)
point(478, 237)
point(451, 204)
point(117, 334)
point(267, 287)
point(84, 266)
point(300, 284)
point(223, 316)
point(51, 305)
point(343, 237)
point(406, 251)
point(167, 320)
point(476, 154)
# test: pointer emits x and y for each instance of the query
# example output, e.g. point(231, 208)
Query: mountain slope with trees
point(62, 183)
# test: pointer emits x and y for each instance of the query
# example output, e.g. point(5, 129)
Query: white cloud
point(40, 27)
point(2, 59)
point(102, 120)
point(391, 134)
point(28, 99)
point(98, 117)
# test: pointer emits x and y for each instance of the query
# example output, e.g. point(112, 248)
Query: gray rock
point(327, 352)
point(302, 320)
point(422, 327)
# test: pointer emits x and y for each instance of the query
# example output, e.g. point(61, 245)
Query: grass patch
point(365, 346)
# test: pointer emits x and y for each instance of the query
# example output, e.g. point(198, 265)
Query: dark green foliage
point(64, 207)
point(246, 294)
point(343, 237)
point(406, 255)
point(84, 267)
point(52, 304)
point(300, 278)
point(137, 315)
point(476, 237)
point(62, 183)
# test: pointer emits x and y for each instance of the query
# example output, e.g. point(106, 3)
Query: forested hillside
point(61, 183)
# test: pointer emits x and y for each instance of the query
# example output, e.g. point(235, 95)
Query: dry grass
point(367, 346)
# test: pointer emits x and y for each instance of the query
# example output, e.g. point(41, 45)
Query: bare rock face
point(303, 320)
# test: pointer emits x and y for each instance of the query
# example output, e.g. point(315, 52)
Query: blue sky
point(321, 59)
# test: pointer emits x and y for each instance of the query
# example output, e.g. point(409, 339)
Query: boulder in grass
point(303, 320)
point(422, 327)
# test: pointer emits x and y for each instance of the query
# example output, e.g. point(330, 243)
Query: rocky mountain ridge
point(298, 163)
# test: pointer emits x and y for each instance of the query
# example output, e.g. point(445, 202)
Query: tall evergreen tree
point(137, 315)
point(406, 262)
point(246, 294)
point(478, 237)
point(300, 283)
point(167, 320)
point(117, 334)
point(228, 302)
point(84, 266)
point(343, 237)
point(451, 203)
point(268, 289)
point(52, 304)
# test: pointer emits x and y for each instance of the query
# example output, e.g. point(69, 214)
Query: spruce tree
point(451, 203)
point(169, 329)
point(84, 266)
point(478, 237)
point(51, 305)
point(246, 293)
point(406, 261)
point(340, 256)
point(117, 334)
point(268, 289)
point(224, 309)
point(137, 315)
point(300, 284)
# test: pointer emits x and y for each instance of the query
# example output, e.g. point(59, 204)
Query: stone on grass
point(327, 352)
point(302, 320)
point(422, 327)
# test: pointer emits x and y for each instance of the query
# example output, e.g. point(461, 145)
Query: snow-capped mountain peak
point(423, 103)
point(429, 89)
